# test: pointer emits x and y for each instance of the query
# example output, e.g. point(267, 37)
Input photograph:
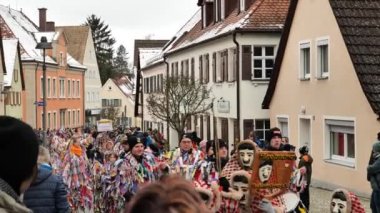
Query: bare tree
point(110, 113)
point(177, 99)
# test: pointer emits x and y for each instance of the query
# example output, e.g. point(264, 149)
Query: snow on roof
point(146, 54)
point(22, 28)
point(74, 63)
point(28, 35)
point(10, 48)
point(185, 28)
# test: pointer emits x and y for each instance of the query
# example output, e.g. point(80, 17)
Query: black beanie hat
point(18, 151)
point(133, 140)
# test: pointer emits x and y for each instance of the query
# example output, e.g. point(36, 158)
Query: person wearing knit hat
point(305, 164)
point(138, 167)
point(185, 158)
point(223, 152)
point(17, 171)
point(373, 172)
point(275, 139)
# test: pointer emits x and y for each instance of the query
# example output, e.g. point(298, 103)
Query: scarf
point(5, 187)
point(77, 150)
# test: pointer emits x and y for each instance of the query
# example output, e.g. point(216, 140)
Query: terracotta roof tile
point(263, 15)
point(76, 40)
point(359, 23)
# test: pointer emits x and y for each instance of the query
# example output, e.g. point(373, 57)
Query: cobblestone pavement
point(320, 201)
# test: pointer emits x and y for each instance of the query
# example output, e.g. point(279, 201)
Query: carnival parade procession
point(190, 106)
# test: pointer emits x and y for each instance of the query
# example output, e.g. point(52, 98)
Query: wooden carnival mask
point(246, 154)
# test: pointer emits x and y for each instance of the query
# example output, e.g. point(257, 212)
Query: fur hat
point(211, 143)
point(18, 151)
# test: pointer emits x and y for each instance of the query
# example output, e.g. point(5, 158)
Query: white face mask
point(338, 205)
point(265, 172)
point(246, 157)
point(244, 189)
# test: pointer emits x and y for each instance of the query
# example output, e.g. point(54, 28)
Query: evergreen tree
point(121, 62)
point(103, 42)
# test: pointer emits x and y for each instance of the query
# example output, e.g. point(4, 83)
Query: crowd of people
point(127, 170)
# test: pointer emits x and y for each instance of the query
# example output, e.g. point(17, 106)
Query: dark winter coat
point(374, 174)
point(47, 193)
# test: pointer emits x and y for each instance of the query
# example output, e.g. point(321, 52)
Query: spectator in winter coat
point(373, 172)
point(17, 171)
point(47, 193)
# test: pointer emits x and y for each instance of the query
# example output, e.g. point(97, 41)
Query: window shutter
point(200, 70)
point(226, 65)
point(246, 62)
point(182, 69)
point(208, 128)
point(214, 67)
point(192, 70)
point(248, 127)
point(201, 126)
point(207, 70)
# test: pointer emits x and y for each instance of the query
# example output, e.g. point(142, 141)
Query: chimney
point(42, 12)
point(50, 26)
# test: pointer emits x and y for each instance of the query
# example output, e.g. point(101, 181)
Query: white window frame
point(283, 118)
point(263, 57)
point(304, 45)
point(346, 124)
point(68, 121)
point(223, 9)
point(78, 89)
point(74, 117)
point(232, 57)
point(320, 42)
point(55, 119)
point(62, 89)
point(265, 129)
point(48, 120)
point(54, 87)
point(78, 117)
point(73, 88)
point(41, 87)
point(218, 61)
point(68, 88)
point(48, 87)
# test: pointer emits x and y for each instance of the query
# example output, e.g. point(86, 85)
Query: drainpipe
point(167, 102)
point(237, 82)
point(36, 95)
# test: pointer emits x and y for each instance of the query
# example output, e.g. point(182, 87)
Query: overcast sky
point(128, 19)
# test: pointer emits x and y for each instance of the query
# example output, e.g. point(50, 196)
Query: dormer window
point(207, 12)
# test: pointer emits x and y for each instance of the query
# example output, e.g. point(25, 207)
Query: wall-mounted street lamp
point(44, 45)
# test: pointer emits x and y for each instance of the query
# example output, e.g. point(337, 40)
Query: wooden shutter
point(224, 129)
point(192, 70)
point(248, 127)
point(201, 127)
point(208, 127)
point(200, 70)
point(247, 62)
point(207, 70)
point(225, 75)
point(214, 67)
point(172, 72)
point(182, 69)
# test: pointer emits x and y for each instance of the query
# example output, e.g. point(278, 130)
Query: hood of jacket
point(43, 174)
point(9, 204)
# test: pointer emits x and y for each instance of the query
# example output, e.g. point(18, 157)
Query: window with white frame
point(69, 88)
point(48, 87)
point(74, 122)
point(340, 138)
point(262, 127)
point(42, 87)
point(219, 66)
point(322, 58)
point(283, 124)
point(54, 88)
point(78, 117)
point(55, 120)
point(78, 89)
point(305, 60)
point(61, 88)
point(263, 61)
point(73, 88)
point(242, 5)
point(232, 65)
point(69, 118)
point(48, 120)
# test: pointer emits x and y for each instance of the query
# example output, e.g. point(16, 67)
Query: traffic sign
point(39, 103)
